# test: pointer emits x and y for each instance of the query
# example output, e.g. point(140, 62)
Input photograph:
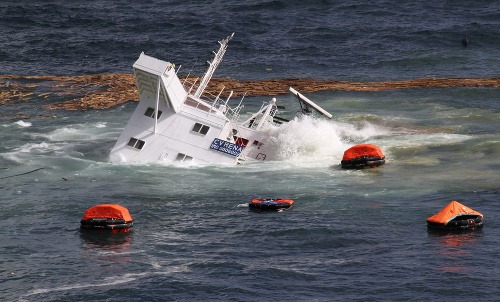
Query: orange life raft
point(266, 204)
point(455, 216)
point(362, 156)
point(112, 217)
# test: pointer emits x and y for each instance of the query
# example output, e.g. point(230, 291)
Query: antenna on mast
point(212, 66)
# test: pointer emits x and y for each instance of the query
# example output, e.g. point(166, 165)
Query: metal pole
point(157, 102)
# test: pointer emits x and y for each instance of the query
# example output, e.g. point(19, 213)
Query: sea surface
point(351, 236)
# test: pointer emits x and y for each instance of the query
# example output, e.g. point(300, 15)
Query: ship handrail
point(213, 103)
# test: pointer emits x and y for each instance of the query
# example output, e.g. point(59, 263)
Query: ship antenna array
point(213, 65)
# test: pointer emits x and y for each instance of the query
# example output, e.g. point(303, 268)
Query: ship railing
point(214, 102)
point(221, 104)
point(189, 85)
point(234, 113)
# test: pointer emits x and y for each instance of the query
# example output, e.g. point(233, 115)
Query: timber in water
point(101, 91)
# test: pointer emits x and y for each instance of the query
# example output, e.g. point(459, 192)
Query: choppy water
point(352, 235)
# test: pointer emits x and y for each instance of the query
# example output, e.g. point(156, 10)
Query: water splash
point(307, 139)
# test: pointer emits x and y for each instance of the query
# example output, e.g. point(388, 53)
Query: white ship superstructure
point(172, 123)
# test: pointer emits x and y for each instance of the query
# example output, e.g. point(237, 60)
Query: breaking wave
point(23, 124)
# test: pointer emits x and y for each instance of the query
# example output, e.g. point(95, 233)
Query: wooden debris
point(102, 91)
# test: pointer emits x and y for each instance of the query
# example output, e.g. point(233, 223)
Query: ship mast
point(212, 66)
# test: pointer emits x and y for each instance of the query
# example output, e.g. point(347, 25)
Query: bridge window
point(151, 112)
point(136, 143)
point(200, 128)
point(183, 157)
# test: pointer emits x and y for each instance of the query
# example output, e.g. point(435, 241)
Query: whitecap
point(126, 278)
point(23, 123)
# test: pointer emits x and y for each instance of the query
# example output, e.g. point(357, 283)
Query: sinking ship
point(179, 121)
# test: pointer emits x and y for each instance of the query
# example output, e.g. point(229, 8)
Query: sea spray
point(308, 138)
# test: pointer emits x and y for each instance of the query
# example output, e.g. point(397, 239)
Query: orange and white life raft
point(363, 156)
point(266, 204)
point(455, 216)
point(103, 217)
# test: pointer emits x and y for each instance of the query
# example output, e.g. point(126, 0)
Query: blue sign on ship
point(226, 147)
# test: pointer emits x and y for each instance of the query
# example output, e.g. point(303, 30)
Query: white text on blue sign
point(226, 147)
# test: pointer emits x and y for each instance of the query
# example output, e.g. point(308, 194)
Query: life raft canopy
point(107, 217)
point(362, 156)
point(455, 216)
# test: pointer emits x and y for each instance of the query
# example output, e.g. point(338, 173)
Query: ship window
point(199, 128)
point(183, 157)
point(136, 143)
point(261, 156)
point(151, 112)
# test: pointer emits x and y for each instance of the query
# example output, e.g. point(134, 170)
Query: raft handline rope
point(21, 173)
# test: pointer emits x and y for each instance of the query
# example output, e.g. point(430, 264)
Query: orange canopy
point(363, 150)
point(451, 211)
point(114, 211)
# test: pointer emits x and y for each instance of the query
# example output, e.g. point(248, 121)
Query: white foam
point(79, 132)
point(424, 139)
point(107, 281)
point(23, 123)
point(33, 148)
point(362, 132)
point(125, 278)
point(29, 151)
point(312, 141)
point(120, 253)
point(305, 137)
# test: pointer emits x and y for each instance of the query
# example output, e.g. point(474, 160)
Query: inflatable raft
point(455, 216)
point(362, 156)
point(270, 204)
point(113, 217)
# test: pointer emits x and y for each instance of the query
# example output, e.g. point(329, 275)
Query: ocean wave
point(23, 124)
point(108, 281)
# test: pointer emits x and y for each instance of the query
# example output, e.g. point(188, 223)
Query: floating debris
point(103, 91)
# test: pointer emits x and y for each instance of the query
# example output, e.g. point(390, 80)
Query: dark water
point(331, 39)
point(352, 235)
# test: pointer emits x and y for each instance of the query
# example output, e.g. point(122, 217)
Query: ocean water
point(351, 235)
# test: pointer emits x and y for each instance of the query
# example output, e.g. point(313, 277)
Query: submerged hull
point(173, 123)
point(178, 121)
point(187, 135)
